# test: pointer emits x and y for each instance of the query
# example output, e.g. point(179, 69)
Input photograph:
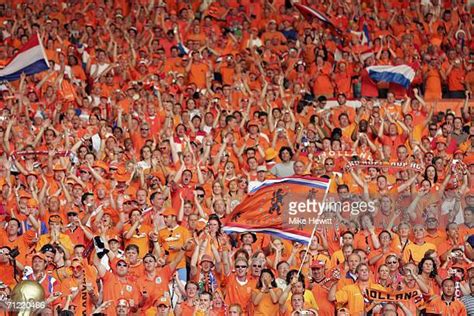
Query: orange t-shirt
point(238, 293)
point(155, 287)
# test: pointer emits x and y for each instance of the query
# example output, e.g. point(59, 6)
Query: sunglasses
point(200, 195)
point(241, 267)
point(392, 262)
point(77, 268)
point(121, 264)
point(256, 266)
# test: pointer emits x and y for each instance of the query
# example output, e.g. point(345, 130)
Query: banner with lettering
point(393, 296)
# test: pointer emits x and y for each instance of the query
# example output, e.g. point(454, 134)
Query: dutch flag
point(402, 74)
point(310, 14)
point(30, 59)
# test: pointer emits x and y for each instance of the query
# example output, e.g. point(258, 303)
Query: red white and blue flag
point(310, 14)
point(30, 59)
point(266, 208)
point(401, 74)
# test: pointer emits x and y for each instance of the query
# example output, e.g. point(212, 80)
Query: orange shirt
point(174, 238)
point(326, 307)
point(6, 272)
point(139, 237)
point(197, 74)
point(456, 79)
point(115, 289)
point(266, 306)
point(438, 306)
point(155, 287)
point(69, 284)
point(238, 293)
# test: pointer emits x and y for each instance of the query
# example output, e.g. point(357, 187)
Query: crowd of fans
point(121, 163)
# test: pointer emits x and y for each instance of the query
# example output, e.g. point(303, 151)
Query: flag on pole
point(30, 59)
point(310, 14)
point(402, 74)
point(365, 34)
point(267, 208)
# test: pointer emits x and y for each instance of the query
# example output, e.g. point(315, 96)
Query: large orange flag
point(284, 207)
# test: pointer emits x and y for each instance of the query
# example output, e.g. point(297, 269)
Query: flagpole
point(313, 232)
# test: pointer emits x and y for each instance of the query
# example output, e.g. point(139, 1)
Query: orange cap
point(163, 301)
point(169, 211)
point(59, 167)
point(40, 255)
point(102, 165)
point(32, 203)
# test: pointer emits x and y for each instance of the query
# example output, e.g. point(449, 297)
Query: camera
point(14, 253)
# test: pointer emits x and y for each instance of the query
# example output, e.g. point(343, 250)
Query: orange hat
point(77, 262)
point(116, 261)
point(441, 139)
point(32, 203)
point(253, 122)
point(102, 165)
point(200, 224)
point(123, 302)
point(469, 160)
point(55, 219)
point(40, 255)
point(318, 264)
point(122, 177)
point(163, 301)
point(84, 168)
point(100, 186)
point(169, 211)
point(128, 198)
point(207, 258)
point(270, 154)
point(59, 167)
point(24, 195)
point(114, 237)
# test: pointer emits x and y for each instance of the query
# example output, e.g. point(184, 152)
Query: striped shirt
point(468, 301)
